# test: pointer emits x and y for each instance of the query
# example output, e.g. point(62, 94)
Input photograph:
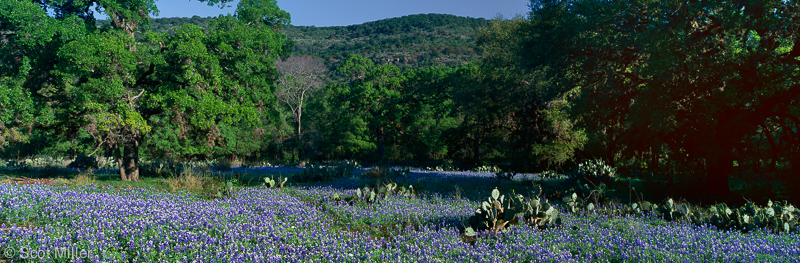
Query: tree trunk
point(721, 165)
point(653, 159)
point(611, 150)
point(281, 155)
point(773, 150)
point(121, 164)
point(379, 134)
point(721, 168)
point(476, 148)
point(299, 137)
point(131, 162)
point(794, 176)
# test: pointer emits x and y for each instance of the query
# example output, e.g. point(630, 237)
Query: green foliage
point(267, 12)
point(368, 101)
point(26, 59)
point(415, 41)
point(200, 92)
point(727, 82)
point(561, 138)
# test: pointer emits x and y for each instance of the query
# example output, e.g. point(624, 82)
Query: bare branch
point(137, 96)
point(299, 78)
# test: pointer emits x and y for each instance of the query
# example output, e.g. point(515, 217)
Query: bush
point(84, 162)
point(85, 178)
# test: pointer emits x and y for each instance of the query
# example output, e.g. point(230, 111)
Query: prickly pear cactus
point(272, 183)
point(487, 168)
point(573, 203)
point(778, 217)
point(383, 191)
point(672, 211)
point(538, 212)
point(595, 170)
point(495, 214)
point(498, 213)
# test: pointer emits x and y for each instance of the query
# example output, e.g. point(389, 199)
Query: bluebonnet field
point(306, 224)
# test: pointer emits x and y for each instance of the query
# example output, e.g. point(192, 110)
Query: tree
point(29, 41)
point(119, 88)
point(300, 78)
point(368, 98)
point(425, 113)
point(488, 92)
point(696, 77)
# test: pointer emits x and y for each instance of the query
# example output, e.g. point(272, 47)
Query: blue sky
point(349, 12)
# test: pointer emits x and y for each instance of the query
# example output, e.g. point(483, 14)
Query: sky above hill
point(350, 12)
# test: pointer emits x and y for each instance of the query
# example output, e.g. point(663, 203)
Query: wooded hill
point(414, 41)
point(410, 41)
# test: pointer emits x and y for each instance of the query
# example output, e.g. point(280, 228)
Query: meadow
point(92, 220)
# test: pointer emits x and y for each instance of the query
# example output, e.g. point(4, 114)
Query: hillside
point(410, 41)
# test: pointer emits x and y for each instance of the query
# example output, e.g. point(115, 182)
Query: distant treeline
point(414, 41)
